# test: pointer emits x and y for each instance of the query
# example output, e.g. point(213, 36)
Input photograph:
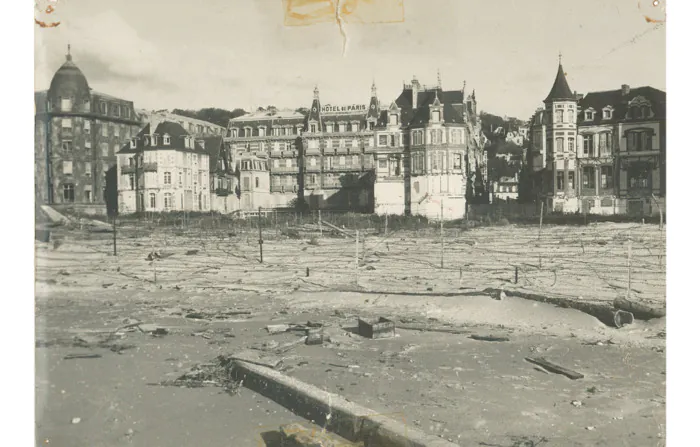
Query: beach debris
point(376, 328)
point(488, 338)
point(551, 367)
point(81, 356)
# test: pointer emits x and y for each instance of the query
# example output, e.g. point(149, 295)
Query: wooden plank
point(488, 338)
point(339, 230)
point(251, 356)
point(639, 310)
point(540, 361)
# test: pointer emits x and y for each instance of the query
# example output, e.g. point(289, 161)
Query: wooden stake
point(442, 240)
point(516, 274)
point(386, 224)
point(541, 216)
point(629, 264)
point(357, 256)
point(260, 240)
point(114, 234)
point(320, 225)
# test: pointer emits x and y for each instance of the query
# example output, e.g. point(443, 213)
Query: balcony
point(284, 170)
point(355, 150)
point(313, 151)
point(223, 192)
point(345, 168)
point(150, 167)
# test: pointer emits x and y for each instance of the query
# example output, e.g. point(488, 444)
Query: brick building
point(78, 132)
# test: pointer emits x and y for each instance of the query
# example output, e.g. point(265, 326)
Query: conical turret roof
point(560, 89)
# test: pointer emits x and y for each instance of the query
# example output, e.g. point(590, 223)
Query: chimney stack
point(625, 89)
point(415, 86)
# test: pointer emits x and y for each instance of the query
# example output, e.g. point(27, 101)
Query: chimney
point(625, 89)
point(415, 86)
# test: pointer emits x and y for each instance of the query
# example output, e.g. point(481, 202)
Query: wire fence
point(383, 254)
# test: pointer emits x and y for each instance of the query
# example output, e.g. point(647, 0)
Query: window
point(179, 178)
point(312, 127)
point(370, 125)
point(572, 145)
point(131, 181)
point(570, 116)
point(559, 116)
point(382, 164)
point(166, 139)
point(607, 114)
point(248, 131)
point(66, 124)
point(605, 143)
point(639, 175)
point(382, 140)
point(246, 183)
point(435, 115)
point(355, 127)
point(152, 199)
point(355, 160)
point(68, 192)
point(166, 178)
point(66, 104)
point(457, 161)
point(257, 182)
point(560, 145)
point(571, 180)
point(560, 181)
point(640, 141)
point(341, 160)
point(587, 145)
point(341, 127)
point(86, 126)
point(329, 128)
point(68, 167)
point(88, 194)
point(105, 131)
point(67, 146)
point(394, 119)
point(606, 173)
point(88, 146)
point(88, 169)
point(588, 115)
point(588, 177)
point(167, 201)
point(288, 162)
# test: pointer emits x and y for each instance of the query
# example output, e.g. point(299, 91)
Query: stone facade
point(78, 132)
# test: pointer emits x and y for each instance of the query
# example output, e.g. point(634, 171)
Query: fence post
point(541, 215)
point(442, 240)
point(386, 223)
point(320, 225)
point(357, 257)
point(260, 241)
point(114, 234)
point(629, 263)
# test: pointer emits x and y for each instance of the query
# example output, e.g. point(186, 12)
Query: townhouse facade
point(602, 153)
point(78, 132)
point(163, 168)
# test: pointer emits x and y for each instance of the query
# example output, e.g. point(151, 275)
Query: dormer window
point(133, 143)
point(341, 127)
point(248, 131)
point(146, 140)
point(312, 128)
point(166, 139)
point(155, 140)
point(588, 115)
point(329, 128)
point(234, 133)
point(435, 115)
point(66, 104)
point(355, 127)
point(394, 118)
point(261, 131)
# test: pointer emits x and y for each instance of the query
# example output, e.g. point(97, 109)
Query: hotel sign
point(353, 108)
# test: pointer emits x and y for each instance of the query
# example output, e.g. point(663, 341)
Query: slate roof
point(405, 99)
point(216, 148)
point(257, 120)
point(599, 100)
point(560, 89)
point(177, 139)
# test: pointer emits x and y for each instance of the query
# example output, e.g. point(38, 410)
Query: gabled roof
point(615, 98)
point(215, 147)
point(176, 133)
point(560, 89)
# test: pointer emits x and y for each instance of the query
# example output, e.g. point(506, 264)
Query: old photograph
point(382, 223)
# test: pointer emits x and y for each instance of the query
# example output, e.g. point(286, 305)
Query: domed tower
point(69, 90)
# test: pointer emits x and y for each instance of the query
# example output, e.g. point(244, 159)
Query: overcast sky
point(237, 53)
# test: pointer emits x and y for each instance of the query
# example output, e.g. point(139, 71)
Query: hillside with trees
point(211, 114)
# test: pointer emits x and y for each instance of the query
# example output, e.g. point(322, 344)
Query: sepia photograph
point(377, 223)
